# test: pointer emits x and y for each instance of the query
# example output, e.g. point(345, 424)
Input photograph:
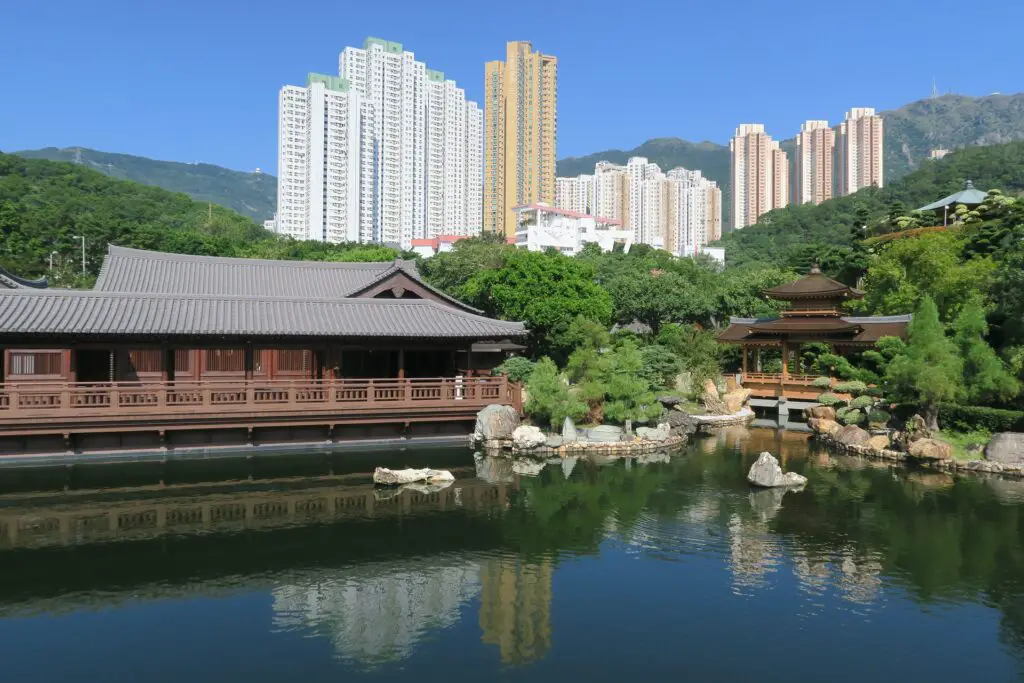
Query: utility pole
point(82, 237)
point(52, 254)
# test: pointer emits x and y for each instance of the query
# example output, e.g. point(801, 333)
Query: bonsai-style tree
point(549, 399)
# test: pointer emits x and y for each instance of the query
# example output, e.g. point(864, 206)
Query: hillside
point(911, 132)
point(44, 205)
point(793, 235)
point(250, 194)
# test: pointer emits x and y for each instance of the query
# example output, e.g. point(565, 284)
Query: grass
point(961, 440)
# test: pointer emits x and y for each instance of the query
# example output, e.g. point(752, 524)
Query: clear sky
point(197, 80)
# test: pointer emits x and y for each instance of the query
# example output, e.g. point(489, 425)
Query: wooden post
point(785, 361)
point(743, 351)
point(248, 361)
point(757, 359)
point(401, 363)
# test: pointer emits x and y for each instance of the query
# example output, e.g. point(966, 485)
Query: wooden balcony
point(775, 385)
point(63, 408)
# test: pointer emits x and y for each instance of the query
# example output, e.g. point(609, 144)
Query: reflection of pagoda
point(376, 613)
point(515, 608)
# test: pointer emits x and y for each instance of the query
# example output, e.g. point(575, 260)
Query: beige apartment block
point(520, 131)
point(815, 146)
point(859, 147)
point(759, 172)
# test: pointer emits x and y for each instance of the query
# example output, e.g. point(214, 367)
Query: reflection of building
point(374, 613)
point(515, 608)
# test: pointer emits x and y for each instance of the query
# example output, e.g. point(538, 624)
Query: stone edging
point(577, 448)
point(706, 422)
point(968, 466)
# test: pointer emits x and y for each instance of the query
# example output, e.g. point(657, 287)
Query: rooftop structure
point(541, 227)
point(969, 196)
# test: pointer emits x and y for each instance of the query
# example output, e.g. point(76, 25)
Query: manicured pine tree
point(986, 377)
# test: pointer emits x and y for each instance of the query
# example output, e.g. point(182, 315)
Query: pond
point(592, 570)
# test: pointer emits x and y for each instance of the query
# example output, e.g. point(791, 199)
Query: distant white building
point(540, 227)
point(432, 246)
point(388, 152)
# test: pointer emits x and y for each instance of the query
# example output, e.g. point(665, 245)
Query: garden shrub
point(862, 402)
point(830, 399)
point(851, 416)
point(879, 417)
point(822, 382)
point(855, 387)
point(973, 418)
point(516, 368)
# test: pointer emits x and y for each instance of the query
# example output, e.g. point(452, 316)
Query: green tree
point(697, 350)
point(549, 400)
point(451, 270)
point(931, 370)
point(628, 394)
point(986, 378)
point(660, 365)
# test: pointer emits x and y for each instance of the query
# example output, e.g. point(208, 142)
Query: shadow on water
point(337, 557)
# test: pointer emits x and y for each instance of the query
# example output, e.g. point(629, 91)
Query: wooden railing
point(386, 396)
point(776, 378)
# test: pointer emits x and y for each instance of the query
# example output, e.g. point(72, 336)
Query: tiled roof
point(154, 272)
point(86, 313)
point(11, 281)
point(848, 329)
point(814, 285)
point(967, 196)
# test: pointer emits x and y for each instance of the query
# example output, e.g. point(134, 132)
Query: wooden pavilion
point(197, 350)
point(814, 315)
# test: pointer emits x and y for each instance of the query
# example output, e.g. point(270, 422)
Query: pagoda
point(814, 315)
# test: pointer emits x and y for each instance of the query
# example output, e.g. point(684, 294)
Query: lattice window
point(183, 360)
point(225, 360)
point(294, 360)
point(35, 363)
point(148, 360)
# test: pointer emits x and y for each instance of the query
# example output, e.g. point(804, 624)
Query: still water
point(591, 570)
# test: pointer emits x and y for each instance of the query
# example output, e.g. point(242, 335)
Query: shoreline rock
point(385, 477)
point(767, 473)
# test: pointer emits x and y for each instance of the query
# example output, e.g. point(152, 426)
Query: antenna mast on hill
point(935, 89)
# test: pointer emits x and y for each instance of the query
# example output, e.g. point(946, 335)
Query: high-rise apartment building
point(520, 129)
point(695, 212)
point(859, 155)
point(575, 194)
point(815, 146)
point(388, 152)
point(611, 191)
point(760, 175)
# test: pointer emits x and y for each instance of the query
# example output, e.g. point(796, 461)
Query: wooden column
point(248, 361)
point(401, 363)
point(757, 359)
point(743, 350)
point(785, 361)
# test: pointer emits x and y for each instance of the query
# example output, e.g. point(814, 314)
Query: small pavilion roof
point(814, 285)
point(859, 330)
point(968, 196)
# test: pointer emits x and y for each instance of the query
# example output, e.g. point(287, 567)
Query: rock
point(879, 442)
point(852, 435)
point(930, 449)
point(820, 412)
point(495, 422)
point(494, 469)
point(710, 388)
point(526, 437)
point(604, 434)
point(766, 472)
point(669, 401)
point(822, 425)
point(1006, 448)
point(386, 477)
point(680, 424)
point(553, 441)
point(660, 433)
point(917, 429)
point(527, 468)
point(735, 400)
point(569, 433)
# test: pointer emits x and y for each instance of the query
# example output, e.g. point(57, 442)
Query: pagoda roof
point(814, 285)
point(9, 280)
point(967, 196)
point(857, 330)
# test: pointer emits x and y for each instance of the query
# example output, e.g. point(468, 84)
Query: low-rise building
point(540, 227)
point(435, 245)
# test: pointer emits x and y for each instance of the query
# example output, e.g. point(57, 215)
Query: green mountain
point(911, 133)
point(799, 233)
point(250, 194)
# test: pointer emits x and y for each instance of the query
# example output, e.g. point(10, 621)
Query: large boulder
point(604, 434)
point(660, 433)
point(820, 412)
point(930, 449)
point(822, 425)
point(680, 423)
point(386, 477)
point(852, 435)
point(495, 422)
point(1006, 448)
point(527, 437)
point(735, 400)
point(879, 442)
point(669, 401)
point(767, 473)
point(554, 441)
point(710, 388)
point(569, 433)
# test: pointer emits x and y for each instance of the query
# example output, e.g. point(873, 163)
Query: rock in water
point(495, 422)
point(526, 437)
point(930, 449)
point(852, 435)
point(766, 472)
point(661, 433)
point(604, 434)
point(386, 477)
point(1006, 448)
point(735, 400)
point(821, 412)
point(494, 469)
point(569, 434)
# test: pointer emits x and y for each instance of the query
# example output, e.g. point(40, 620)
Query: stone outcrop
point(495, 423)
point(659, 433)
point(879, 442)
point(569, 433)
point(604, 434)
point(526, 437)
point(1006, 448)
point(713, 403)
point(767, 473)
point(852, 435)
point(735, 400)
point(680, 423)
point(930, 449)
point(669, 401)
point(386, 477)
point(554, 441)
point(820, 412)
point(823, 425)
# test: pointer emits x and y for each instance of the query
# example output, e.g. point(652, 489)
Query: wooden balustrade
point(254, 396)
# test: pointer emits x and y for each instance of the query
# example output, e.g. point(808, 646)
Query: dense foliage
point(44, 205)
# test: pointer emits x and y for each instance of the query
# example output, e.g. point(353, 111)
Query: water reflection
point(384, 579)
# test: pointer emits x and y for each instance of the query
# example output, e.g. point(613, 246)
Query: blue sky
point(197, 80)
